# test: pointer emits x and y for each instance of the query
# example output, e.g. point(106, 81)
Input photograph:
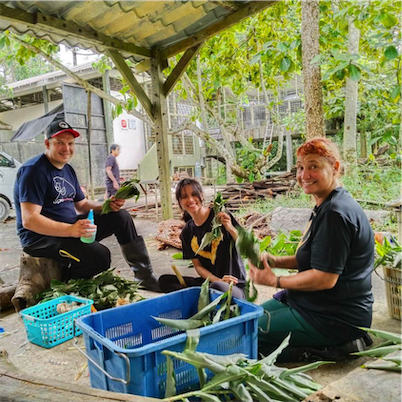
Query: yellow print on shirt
point(210, 255)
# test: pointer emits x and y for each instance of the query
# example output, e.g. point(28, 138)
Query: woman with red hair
point(326, 302)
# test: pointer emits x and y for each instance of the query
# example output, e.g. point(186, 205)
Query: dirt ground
point(63, 362)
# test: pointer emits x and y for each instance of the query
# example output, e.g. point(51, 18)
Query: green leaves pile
point(128, 189)
point(389, 352)
point(104, 289)
point(235, 375)
point(215, 233)
point(208, 312)
point(389, 254)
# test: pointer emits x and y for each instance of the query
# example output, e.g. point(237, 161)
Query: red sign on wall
point(123, 123)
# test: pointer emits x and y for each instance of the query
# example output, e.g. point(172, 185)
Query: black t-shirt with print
point(339, 240)
point(224, 261)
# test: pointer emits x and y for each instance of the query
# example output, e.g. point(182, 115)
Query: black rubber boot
point(136, 255)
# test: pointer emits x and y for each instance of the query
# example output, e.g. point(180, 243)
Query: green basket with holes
point(47, 328)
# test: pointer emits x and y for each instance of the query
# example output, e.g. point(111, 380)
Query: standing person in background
point(112, 171)
point(330, 298)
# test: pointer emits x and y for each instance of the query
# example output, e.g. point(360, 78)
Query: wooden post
point(89, 127)
point(45, 98)
point(289, 151)
point(162, 144)
point(107, 110)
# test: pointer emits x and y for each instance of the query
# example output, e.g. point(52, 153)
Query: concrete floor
point(63, 361)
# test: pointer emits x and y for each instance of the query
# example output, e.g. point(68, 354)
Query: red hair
point(321, 146)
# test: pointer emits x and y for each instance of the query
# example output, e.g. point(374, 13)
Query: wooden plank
point(160, 127)
point(17, 386)
point(135, 86)
point(250, 8)
point(180, 68)
point(53, 25)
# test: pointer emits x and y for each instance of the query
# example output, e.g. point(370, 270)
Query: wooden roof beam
point(248, 9)
point(53, 25)
point(180, 68)
point(134, 85)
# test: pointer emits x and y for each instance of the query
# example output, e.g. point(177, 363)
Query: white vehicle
point(8, 172)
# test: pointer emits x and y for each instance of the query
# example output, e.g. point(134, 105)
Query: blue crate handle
point(123, 355)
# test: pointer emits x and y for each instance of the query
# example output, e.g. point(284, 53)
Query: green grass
point(372, 186)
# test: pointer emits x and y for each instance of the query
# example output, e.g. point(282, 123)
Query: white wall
point(130, 139)
point(19, 116)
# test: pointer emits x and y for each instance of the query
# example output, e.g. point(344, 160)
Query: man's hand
point(82, 228)
point(116, 185)
point(262, 276)
point(229, 279)
point(116, 203)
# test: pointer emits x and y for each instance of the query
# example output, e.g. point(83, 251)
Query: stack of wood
point(169, 233)
point(242, 195)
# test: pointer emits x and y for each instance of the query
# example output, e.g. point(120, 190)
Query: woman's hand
point(263, 276)
point(230, 279)
point(224, 218)
point(116, 203)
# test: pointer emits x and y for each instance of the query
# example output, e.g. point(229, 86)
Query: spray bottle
point(92, 238)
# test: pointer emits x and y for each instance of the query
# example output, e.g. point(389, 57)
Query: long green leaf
point(395, 359)
point(260, 394)
point(240, 392)
point(389, 336)
point(207, 309)
point(389, 366)
point(378, 352)
point(301, 369)
point(290, 388)
point(271, 389)
point(193, 338)
point(180, 324)
point(228, 302)
point(207, 397)
point(170, 379)
point(203, 299)
point(231, 374)
point(271, 358)
point(197, 360)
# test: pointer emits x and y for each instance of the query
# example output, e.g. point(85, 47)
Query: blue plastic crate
point(126, 343)
point(46, 328)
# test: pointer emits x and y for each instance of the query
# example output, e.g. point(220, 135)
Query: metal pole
point(89, 127)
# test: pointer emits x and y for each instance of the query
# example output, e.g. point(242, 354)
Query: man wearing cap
point(48, 197)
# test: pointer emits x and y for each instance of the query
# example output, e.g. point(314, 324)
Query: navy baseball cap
point(59, 126)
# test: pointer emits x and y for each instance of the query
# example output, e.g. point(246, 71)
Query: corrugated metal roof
point(87, 23)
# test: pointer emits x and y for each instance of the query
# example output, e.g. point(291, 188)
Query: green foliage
point(379, 184)
point(128, 189)
point(245, 380)
point(104, 289)
point(389, 254)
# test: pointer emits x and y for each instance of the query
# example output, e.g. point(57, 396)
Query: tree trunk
point(349, 131)
point(313, 100)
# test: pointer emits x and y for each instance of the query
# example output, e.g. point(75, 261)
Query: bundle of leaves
point(235, 377)
point(216, 232)
point(389, 352)
point(128, 189)
point(389, 254)
point(252, 248)
point(104, 289)
point(208, 312)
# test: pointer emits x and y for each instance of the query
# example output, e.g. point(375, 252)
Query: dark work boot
point(136, 255)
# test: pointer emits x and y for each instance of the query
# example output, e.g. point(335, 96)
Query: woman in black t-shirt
point(326, 302)
point(220, 261)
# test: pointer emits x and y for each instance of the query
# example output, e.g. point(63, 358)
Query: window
point(183, 143)
point(187, 169)
point(4, 162)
